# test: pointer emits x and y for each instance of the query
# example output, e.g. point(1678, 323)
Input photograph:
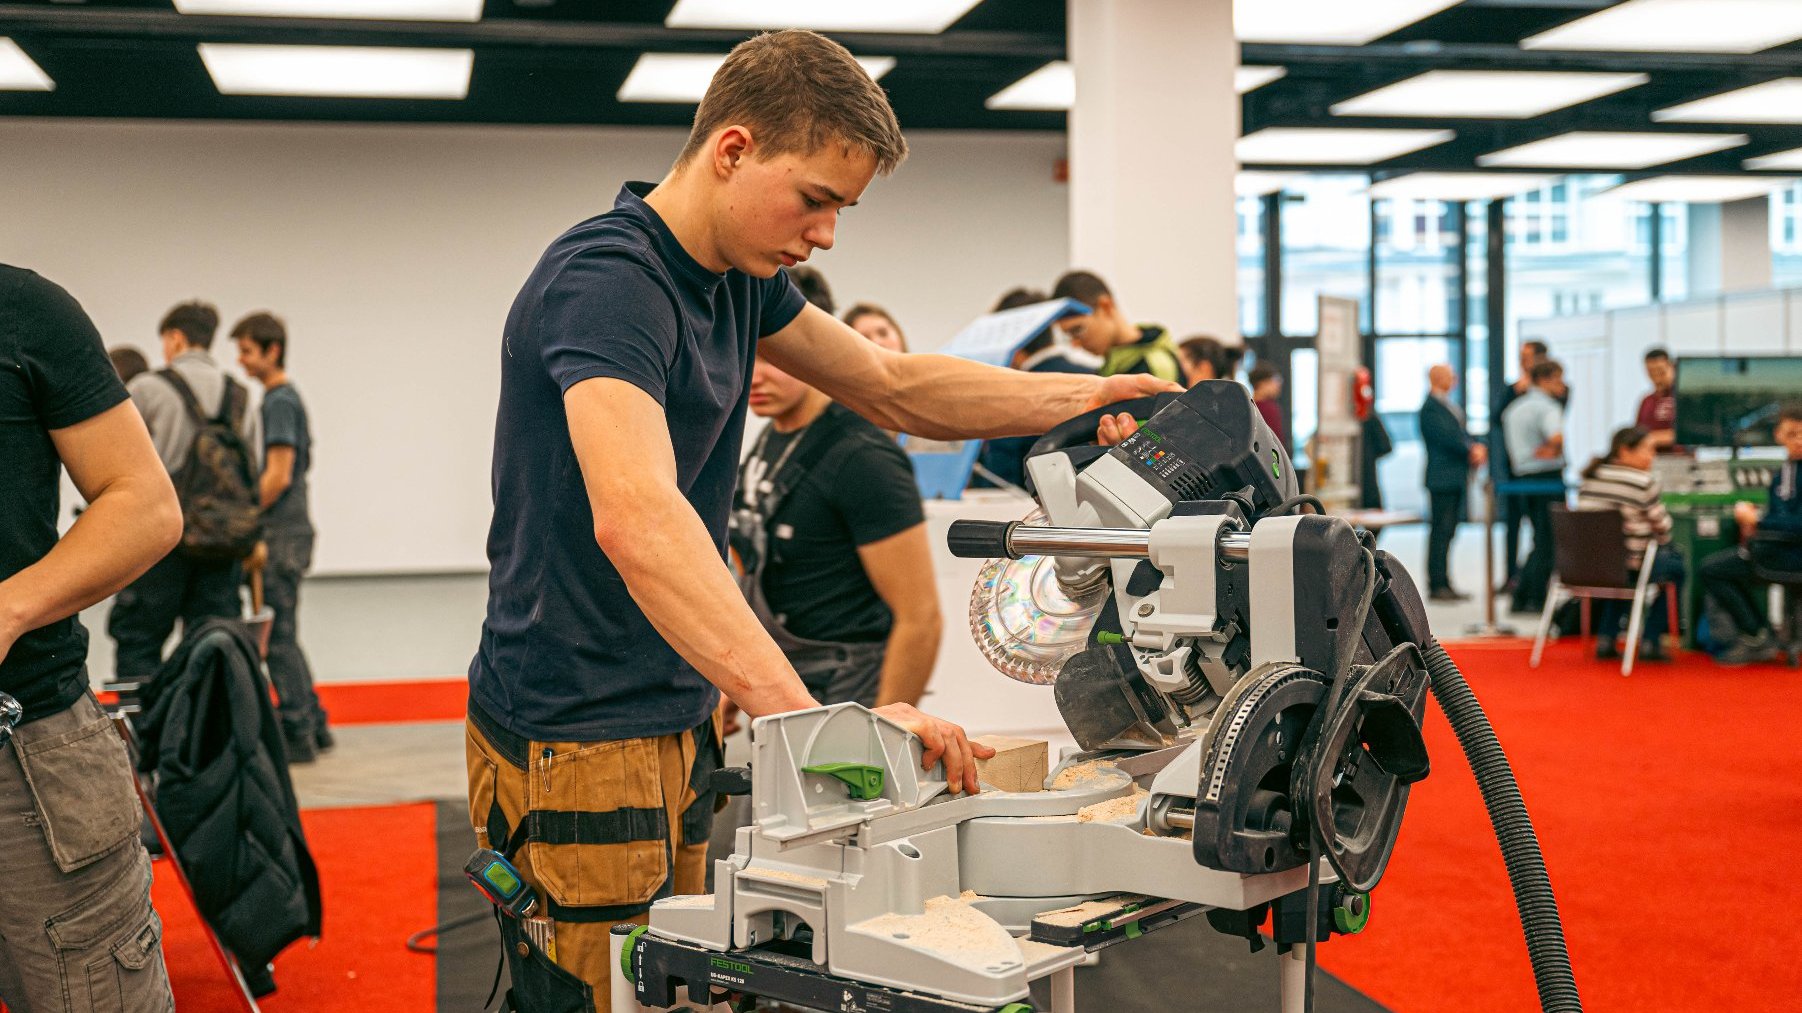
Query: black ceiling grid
point(562, 61)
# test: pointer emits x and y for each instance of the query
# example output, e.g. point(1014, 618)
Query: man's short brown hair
point(1545, 369)
point(799, 91)
point(266, 331)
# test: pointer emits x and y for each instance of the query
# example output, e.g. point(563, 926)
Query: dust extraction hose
point(1513, 830)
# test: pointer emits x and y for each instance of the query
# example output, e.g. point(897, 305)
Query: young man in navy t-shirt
point(613, 623)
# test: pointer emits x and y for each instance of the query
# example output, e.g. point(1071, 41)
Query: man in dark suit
point(1451, 453)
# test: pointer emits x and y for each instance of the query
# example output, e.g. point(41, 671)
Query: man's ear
point(1107, 309)
point(731, 147)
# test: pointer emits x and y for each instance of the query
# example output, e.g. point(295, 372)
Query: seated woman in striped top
point(1623, 480)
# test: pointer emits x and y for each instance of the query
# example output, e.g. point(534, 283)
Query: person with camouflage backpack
point(206, 434)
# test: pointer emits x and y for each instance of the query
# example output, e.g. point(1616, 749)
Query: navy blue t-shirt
point(566, 654)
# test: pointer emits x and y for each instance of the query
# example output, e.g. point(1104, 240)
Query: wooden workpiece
point(1018, 764)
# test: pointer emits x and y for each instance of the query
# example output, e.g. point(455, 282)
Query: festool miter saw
point(1246, 682)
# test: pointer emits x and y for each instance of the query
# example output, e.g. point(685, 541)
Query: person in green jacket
point(1124, 347)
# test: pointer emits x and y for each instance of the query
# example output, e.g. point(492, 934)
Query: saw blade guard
point(1023, 620)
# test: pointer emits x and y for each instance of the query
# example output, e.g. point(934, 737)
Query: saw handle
point(981, 539)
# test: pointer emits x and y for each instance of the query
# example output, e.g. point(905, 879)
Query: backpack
point(220, 503)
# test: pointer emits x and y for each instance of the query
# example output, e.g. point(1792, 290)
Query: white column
point(1151, 158)
point(1729, 246)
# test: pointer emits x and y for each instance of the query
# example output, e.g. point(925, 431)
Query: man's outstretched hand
point(1126, 386)
point(944, 741)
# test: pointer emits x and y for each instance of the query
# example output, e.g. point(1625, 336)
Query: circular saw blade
point(1023, 621)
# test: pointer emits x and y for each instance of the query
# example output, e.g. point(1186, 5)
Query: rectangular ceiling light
point(1778, 101)
point(338, 71)
point(1605, 150)
point(1257, 184)
point(1791, 159)
point(1699, 189)
point(1051, 87)
point(1458, 186)
point(1252, 78)
point(1486, 94)
point(1679, 26)
point(1327, 22)
point(683, 77)
point(922, 17)
point(1332, 145)
point(19, 72)
point(380, 10)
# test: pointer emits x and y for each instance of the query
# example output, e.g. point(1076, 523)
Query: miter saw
point(1246, 684)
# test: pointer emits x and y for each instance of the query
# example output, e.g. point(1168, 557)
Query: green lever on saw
point(864, 779)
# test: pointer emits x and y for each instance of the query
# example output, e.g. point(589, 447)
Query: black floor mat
point(467, 955)
point(1187, 966)
point(1190, 967)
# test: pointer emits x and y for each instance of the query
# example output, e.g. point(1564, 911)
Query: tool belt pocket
point(539, 985)
point(81, 786)
point(597, 833)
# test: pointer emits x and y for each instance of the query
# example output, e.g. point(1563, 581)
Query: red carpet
point(378, 873)
point(365, 703)
point(1669, 807)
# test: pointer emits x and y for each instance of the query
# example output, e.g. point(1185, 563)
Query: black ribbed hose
point(1513, 830)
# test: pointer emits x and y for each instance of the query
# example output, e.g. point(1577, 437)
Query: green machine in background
point(1700, 496)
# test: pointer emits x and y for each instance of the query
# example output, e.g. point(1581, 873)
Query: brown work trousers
point(77, 931)
point(609, 827)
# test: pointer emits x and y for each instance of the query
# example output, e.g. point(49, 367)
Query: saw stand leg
point(1295, 979)
point(1063, 991)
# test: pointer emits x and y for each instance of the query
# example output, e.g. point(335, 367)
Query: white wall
point(394, 252)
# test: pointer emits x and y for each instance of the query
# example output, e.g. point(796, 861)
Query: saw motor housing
point(1280, 649)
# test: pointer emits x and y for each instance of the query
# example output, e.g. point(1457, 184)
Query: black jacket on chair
point(1447, 446)
point(210, 736)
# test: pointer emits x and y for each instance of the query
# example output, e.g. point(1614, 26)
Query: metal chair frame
point(1637, 594)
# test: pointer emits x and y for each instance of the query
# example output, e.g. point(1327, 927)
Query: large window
point(1326, 247)
point(1673, 249)
point(1574, 248)
point(1417, 267)
point(1786, 236)
point(1475, 381)
point(1250, 246)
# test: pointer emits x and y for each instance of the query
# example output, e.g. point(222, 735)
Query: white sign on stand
point(1334, 476)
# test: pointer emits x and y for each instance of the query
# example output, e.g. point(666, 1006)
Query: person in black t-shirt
point(287, 530)
point(77, 847)
point(829, 528)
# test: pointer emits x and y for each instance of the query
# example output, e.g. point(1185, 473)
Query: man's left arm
point(938, 396)
point(132, 520)
point(900, 569)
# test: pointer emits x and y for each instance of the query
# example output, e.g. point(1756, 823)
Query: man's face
point(775, 211)
point(1093, 333)
point(257, 363)
point(1528, 356)
point(1661, 373)
point(773, 392)
point(1554, 385)
point(1789, 433)
point(1442, 379)
point(174, 343)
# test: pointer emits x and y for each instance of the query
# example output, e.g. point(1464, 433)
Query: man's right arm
point(1552, 433)
point(674, 572)
point(665, 554)
point(132, 520)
